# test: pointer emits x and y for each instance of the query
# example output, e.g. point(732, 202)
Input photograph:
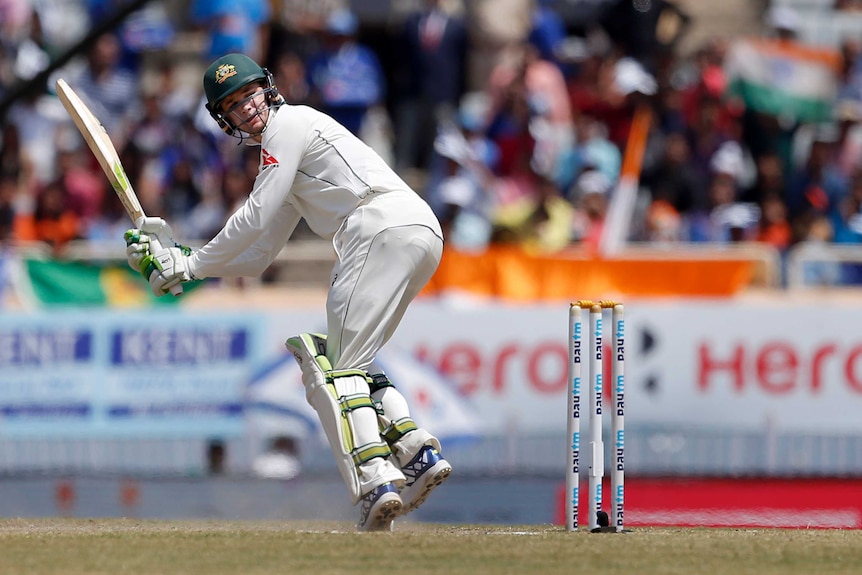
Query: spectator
point(290, 77)
point(593, 148)
point(625, 87)
point(496, 29)
point(768, 181)
point(706, 137)
point(722, 218)
point(662, 223)
point(552, 125)
point(590, 84)
point(13, 159)
point(51, 221)
point(846, 220)
point(848, 114)
point(298, 25)
point(549, 116)
point(110, 221)
point(815, 229)
point(345, 78)
point(146, 29)
point(710, 83)
point(109, 90)
point(188, 167)
point(846, 215)
point(467, 207)
point(181, 193)
point(82, 178)
point(431, 79)
point(783, 22)
point(33, 52)
point(590, 197)
point(151, 131)
point(646, 31)
point(673, 180)
point(548, 31)
point(176, 99)
point(35, 119)
point(817, 184)
point(850, 70)
point(14, 17)
point(509, 116)
point(774, 227)
point(233, 26)
point(735, 222)
point(8, 193)
point(483, 152)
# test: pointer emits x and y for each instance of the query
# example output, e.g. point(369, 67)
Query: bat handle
point(156, 247)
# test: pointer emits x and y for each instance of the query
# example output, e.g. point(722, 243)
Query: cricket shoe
point(424, 473)
point(380, 507)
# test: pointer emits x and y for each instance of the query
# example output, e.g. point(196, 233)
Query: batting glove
point(137, 248)
point(167, 269)
point(157, 228)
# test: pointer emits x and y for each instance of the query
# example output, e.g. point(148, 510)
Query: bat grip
point(156, 246)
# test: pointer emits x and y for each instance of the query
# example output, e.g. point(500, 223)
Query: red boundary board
point(723, 502)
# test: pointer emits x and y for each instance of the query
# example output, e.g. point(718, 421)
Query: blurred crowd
point(514, 119)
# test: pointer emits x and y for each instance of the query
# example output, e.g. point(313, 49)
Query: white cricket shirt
point(311, 167)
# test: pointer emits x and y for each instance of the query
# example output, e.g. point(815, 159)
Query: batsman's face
point(247, 109)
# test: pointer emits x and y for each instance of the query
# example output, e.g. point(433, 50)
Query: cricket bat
point(100, 144)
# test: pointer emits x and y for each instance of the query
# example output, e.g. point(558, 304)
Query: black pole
point(40, 79)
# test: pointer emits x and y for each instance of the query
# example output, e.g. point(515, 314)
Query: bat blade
point(100, 144)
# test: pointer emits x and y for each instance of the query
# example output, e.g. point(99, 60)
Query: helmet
point(229, 74)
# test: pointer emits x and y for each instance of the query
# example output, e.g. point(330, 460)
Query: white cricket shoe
point(380, 507)
point(424, 473)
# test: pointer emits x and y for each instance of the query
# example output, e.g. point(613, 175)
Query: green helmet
point(227, 75)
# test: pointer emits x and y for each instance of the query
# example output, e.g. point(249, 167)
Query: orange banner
point(510, 273)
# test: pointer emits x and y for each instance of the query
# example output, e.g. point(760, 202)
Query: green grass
point(120, 546)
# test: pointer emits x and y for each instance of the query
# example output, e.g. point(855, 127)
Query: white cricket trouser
point(387, 251)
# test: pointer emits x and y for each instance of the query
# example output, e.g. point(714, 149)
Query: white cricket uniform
point(387, 240)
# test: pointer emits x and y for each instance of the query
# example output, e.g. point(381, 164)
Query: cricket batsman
point(388, 243)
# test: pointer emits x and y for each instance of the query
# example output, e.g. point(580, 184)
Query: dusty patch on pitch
point(76, 527)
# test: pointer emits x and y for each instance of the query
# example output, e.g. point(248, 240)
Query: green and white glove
point(137, 248)
point(150, 235)
point(148, 245)
point(158, 230)
point(167, 269)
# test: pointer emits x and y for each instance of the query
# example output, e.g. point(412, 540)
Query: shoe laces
point(427, 457)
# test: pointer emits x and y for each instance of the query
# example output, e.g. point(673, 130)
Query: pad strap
point(378, 381)
point(398, 429)
point(369, 451)
point(351, 402)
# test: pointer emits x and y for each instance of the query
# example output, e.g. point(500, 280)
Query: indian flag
point(52, 283)
point(785, 79)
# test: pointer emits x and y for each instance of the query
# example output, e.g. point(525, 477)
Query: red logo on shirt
point(268, 159)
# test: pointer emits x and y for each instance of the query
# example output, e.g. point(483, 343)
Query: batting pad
point(348, 417)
